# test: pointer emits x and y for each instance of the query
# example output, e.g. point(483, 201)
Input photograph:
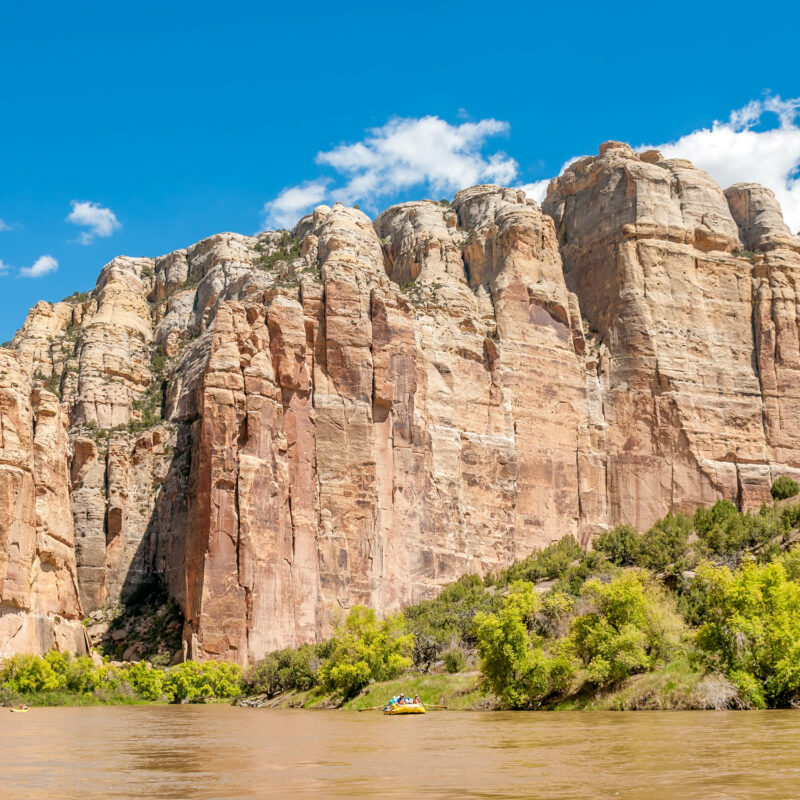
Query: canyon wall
point(279, 427)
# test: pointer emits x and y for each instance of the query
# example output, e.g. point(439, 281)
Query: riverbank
point(677, 686)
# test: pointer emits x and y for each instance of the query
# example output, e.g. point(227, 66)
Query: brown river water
point(224, 752)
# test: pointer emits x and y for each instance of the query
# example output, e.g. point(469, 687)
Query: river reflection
point(223, 752)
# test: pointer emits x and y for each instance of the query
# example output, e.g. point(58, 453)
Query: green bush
point(454, 660)
point(665, 543)
point(513, 662)
point(551, 562)
point(282, 671)
point(364, 648)
point(632, 625)
point(784, 487)
point(724, 530)
point(146, 681)
point(81, 675)
point(450, 615)
point(26, 674)
point(198, 681)
point(751, 629)
point(791, 563)
point(621, 546)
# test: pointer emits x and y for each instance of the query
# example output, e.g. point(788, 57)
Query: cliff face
point(286, 425)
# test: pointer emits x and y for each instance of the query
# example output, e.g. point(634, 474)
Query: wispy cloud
point(423, 152)
point(4, 268)
point(4, 226)
point(42, 266)
point(292, 203)
point(733, 152)
point(98, 220)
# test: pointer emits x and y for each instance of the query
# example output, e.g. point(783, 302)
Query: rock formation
point(279, 427)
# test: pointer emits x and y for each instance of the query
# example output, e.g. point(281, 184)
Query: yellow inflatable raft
point(395, 710)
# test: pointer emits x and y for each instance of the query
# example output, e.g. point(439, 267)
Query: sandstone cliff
point(284, 425)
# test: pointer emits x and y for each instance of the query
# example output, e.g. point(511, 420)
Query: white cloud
point(100, 221)
point(42, 266)
point(536, 190)
point(4, 226)
point(292, 203)
point(733, 152)
point(408, 152)
point(4, 268)
point(401, 154)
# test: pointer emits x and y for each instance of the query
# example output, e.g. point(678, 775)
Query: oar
point(371, 708)
point(433, 705)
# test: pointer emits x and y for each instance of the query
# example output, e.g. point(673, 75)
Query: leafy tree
point(784, 487)
point(364, 648)
point(551, 562)
point(724, 530)
point(81, 675)
point(198, 681)
point(621, 545)
point(630, 627)
point(26, 674)
point(146, 681)
point(665, 543)
point(751, 629)
point(450, 615)
point(281, 671)
point(791, 563)
point(513, 663)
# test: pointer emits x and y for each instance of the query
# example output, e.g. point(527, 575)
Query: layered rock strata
point(279, 427)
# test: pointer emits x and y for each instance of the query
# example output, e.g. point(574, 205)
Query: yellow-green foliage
point(513, 660)
point(198, 681)
point(533, 649)
point(27, 675)
point(751, 629)
point(630, 626)
point(364, 648)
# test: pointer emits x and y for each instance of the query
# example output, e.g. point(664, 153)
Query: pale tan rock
point(759, 217)
point(39, 608)
point(649, 249)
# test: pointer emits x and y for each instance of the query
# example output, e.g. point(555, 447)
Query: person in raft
point(417, 701)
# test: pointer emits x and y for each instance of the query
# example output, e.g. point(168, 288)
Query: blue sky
point(154, 125)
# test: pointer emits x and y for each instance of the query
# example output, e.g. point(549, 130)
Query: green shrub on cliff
point(551, 562)
point(451, 614)
point(364, 648)
point(784, 487)
point(620, 545)
point(724, 530)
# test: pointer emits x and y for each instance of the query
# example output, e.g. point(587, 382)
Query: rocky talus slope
point(285, 425)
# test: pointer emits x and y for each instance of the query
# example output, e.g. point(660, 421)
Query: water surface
point(223, 752)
